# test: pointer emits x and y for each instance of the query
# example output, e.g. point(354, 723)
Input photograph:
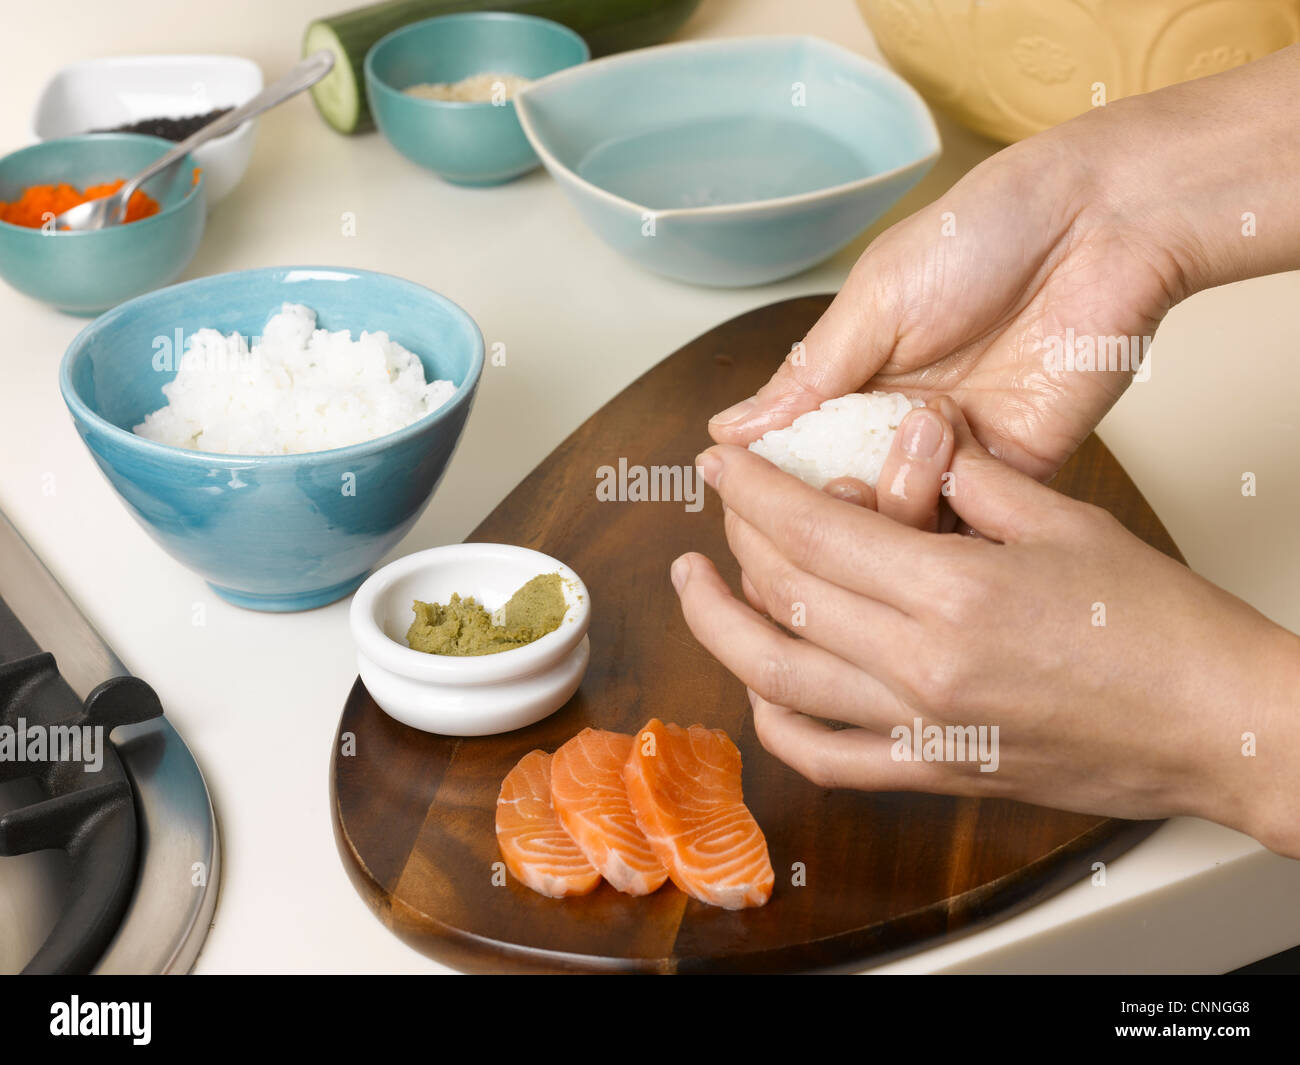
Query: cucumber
point(606, 25)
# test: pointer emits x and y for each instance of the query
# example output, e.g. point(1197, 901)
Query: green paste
point(465, 627)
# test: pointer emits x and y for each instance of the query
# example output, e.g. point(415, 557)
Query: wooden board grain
point(885, 873)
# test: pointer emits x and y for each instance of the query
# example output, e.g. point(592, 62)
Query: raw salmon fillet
point(533, 843)
point(684, 786)
point(591, 802)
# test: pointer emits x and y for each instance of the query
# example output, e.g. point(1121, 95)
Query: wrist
point(1258, 788)
point(1200, 175)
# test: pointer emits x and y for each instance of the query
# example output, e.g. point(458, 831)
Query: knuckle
point(820, 769)
point(1094, 517)
point(1075, 519)
point(962, 595)
point(776, 679)
point(940, 678)
point(805, 533)
point(954, 603)
point(785, 589)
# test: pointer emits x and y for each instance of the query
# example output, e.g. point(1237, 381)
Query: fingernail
point(849, 490)
point(735, 413)
point(947, 407)
point(922, 434)
point(709, 465)
point(679, 571)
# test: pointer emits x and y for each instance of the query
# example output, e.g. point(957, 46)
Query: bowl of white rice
point(277, 431)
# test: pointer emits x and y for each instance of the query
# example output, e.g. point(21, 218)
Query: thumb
point(994, 499)
point(842, 351)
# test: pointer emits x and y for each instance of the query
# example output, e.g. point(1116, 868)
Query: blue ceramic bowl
point(730, 162)
point(277, 532)
point(478, 143)
point(83, 273)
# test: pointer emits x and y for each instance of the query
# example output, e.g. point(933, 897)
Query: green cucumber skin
point(606, 25)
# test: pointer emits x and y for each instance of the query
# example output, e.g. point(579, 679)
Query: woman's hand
point(1098, 226)
point(962, 297)
point(1120, 682)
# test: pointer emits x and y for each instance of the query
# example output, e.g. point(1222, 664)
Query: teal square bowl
point(466, 143)
point(85, 273)
point(273, 532)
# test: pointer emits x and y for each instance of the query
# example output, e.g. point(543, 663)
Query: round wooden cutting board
point(883, 874)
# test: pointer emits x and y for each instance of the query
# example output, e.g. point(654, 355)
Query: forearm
point(1208, 170)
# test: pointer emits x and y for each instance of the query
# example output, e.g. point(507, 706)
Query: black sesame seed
point(172, 129)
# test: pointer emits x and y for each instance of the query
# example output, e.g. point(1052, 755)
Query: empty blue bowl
point(276, 532)
point(730, 162)
point(84, 273)
point(467, 143)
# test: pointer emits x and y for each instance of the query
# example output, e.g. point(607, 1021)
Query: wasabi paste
point(465, 627)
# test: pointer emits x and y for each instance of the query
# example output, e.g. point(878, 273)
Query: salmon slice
point(533, 843)
point(684, 786)
point(591, 802)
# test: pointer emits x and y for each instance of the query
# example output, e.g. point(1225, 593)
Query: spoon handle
point(304, 75)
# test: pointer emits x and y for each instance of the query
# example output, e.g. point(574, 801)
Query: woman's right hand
point(1098, 226)
point(1111, 679)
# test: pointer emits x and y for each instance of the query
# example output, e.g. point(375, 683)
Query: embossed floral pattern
point(901, 21)
point(1225, 57)
point(1043, 59)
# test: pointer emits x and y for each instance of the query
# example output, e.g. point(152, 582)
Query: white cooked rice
point(299, 389)
point(477, 88)
point(845, 437)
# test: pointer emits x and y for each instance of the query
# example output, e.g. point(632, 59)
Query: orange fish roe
point(39, 202)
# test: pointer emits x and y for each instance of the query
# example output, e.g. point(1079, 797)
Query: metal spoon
point(110, 210)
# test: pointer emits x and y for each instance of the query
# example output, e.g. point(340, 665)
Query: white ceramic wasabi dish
point(102, 93)
point(471, 696)
point(730, 162)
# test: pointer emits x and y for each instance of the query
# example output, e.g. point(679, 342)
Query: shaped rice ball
point(845, 437)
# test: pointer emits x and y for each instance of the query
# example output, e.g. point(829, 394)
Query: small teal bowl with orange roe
point(85, 273)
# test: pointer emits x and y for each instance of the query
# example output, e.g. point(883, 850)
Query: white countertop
point(258, 696)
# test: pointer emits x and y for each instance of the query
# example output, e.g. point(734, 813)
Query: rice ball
point(849, 436)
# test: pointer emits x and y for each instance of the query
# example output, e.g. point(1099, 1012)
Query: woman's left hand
point(1120, 683)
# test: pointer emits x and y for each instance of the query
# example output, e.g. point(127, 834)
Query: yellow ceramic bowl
point(1010, 68)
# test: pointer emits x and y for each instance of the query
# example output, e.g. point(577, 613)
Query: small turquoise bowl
point(730, 162)
point(471, 143)
point(84, 273)
point(274, 532)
